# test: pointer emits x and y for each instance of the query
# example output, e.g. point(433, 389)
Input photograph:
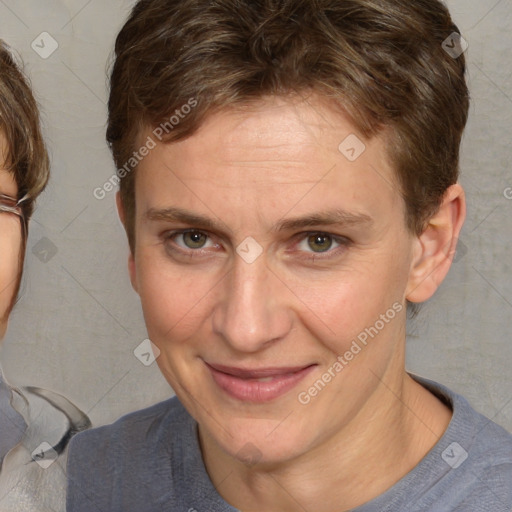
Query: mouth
point(257, 385)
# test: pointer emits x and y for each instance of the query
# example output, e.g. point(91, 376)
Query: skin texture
point(248, 170)
point(10, 244)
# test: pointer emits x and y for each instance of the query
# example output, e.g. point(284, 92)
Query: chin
point(260, 441)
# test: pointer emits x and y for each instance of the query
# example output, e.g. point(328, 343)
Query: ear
point(132, 269)
point(435, 248)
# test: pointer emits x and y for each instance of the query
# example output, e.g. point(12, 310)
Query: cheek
point(174, 302)
point(339, 306)
point(10, 246)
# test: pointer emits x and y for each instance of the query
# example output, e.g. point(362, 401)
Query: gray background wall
point(78, 321)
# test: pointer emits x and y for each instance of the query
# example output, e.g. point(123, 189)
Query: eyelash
point(342, 244)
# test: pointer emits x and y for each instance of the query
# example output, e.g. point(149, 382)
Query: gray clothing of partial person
point(151, 461)
point(12, 424)
point(35, 428)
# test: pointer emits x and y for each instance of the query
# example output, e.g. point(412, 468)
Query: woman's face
point(262, 252)
point(10, 245)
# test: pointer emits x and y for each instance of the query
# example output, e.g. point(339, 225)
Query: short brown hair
point(26, 157)
point(382, 60)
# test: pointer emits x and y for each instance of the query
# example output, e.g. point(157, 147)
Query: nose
point(251, 312)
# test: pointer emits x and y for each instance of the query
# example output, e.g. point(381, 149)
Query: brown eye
point(319, 242)
point(194, 239)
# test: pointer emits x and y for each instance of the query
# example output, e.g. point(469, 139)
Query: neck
point(369, 455)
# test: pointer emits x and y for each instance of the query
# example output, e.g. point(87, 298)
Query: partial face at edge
point(335, 257)
point(10, 245)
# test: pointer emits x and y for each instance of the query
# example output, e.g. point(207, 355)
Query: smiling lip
point(248, 384)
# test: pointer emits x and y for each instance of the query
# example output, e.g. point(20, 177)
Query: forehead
point(274, 151)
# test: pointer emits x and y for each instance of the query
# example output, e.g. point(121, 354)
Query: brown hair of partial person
point(26, 156)
point(382, 61)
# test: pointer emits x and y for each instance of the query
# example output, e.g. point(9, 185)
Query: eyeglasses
point(9, 204)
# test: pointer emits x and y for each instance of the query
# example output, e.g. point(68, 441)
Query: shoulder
point(116, 465)
point(488, 475)
point(477, 458)
point(147, 425)
point(486, 443)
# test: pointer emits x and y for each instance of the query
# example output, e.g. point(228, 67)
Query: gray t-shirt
point(151, 461)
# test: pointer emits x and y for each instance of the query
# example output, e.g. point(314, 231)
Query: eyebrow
point(184, 216)
point(327, 218)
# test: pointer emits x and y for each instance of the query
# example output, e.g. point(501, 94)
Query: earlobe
point(435, 248)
